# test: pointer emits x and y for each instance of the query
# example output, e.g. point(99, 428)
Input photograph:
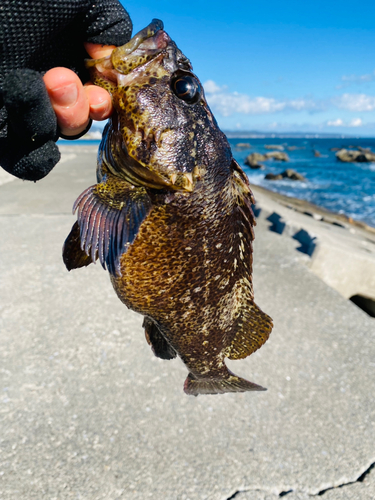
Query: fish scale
point(171, 215)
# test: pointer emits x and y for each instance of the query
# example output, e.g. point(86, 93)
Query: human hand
point(48, 38)
point(75, 104)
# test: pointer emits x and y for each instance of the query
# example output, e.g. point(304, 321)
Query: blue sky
point(277, 65)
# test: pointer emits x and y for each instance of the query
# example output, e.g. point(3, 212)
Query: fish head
point(162, 134)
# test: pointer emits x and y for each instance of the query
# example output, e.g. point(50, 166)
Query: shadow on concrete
point(364, 303)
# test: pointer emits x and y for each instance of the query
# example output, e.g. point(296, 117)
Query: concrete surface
point(341, 254)
point(87, 412)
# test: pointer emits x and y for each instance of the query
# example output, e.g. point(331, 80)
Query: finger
point(96, 51)
point(69, 100)
point(100, 102)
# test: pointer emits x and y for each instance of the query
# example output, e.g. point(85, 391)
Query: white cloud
point(356, 122)
point(355, 102)
point(227, 103)
point(359, 78)
point(335, 123)
point(211, 87)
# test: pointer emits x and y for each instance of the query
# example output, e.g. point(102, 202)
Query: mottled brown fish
point(171, 215)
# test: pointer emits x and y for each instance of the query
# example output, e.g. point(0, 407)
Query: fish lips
point(143, 47)
point(124, 60)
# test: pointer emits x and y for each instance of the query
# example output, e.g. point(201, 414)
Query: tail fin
point(231, 383)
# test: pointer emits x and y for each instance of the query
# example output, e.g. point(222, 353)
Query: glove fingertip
point(109, 24)
point(38, 163)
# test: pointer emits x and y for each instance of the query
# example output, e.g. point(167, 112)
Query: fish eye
point(187, 88)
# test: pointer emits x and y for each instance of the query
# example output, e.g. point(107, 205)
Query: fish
point(171, 216)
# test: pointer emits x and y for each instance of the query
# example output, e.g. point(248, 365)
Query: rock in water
point(351, 156)
point(273, 177)
point(253, 159)
point(277, 155)
point(242, 145)
point(279, 147)
point(289, 173)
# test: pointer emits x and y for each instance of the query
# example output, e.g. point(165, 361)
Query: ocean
point(347, 188)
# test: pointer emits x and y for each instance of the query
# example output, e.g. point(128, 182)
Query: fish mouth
point(143, 47)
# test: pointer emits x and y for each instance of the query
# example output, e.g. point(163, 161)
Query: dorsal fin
point(243, 193)
point(109, 216)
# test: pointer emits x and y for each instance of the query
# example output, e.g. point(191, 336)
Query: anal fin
point(160, 346)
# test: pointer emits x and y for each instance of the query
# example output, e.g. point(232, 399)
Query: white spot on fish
point(185, 299)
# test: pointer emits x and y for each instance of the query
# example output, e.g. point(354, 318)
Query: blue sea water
point(347, 188)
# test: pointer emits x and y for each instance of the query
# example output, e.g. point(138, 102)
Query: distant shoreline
point(245, 135)
point(291, 135)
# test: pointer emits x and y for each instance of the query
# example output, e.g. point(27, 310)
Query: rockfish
point(171, 217)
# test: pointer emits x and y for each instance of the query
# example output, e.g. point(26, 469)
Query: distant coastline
point(96, 135)
point(253, 134)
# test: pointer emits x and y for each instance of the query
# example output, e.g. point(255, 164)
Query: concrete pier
point(87, 412)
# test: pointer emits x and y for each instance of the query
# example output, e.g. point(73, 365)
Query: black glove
point(39, 35)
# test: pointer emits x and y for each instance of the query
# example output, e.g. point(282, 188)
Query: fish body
point(171, 217)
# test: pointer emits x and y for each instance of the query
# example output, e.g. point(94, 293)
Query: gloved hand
point(35, 37)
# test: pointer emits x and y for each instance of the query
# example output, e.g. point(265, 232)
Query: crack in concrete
point(360, 479)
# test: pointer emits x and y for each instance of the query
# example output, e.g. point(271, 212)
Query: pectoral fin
point(109, 216)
